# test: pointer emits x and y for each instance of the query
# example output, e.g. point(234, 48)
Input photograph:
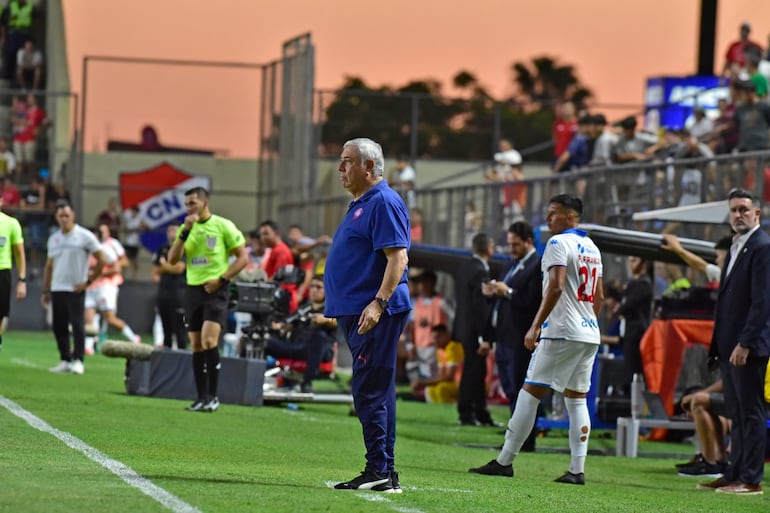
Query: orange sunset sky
point(615, 46)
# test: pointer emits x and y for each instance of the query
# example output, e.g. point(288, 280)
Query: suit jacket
point(471, 307)
point(515, 315)
point(743, 304)
point(636, 306)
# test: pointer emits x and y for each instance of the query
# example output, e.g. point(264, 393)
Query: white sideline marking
point(21, 362)
point(126, 473)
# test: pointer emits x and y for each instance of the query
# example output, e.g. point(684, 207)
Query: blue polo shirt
point(356, 263)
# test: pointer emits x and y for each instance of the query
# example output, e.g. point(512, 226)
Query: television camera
point(267, 302)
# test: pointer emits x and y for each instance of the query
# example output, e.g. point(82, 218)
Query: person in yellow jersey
point(208, 242)
point(444, 386)
point(11, 248)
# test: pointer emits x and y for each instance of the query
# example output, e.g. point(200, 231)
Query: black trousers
point(472, 396)
point(170, 304)
point(68, 309)
point(745, 405)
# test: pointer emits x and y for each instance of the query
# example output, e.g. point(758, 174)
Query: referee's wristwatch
point(223, 281)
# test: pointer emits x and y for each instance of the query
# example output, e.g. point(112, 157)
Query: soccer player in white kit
point(565, 337)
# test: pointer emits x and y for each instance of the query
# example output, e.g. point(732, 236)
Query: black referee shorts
point(5, 292)
point(201, 306)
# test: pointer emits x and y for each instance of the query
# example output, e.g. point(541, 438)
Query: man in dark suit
point(516, 299)
point(471, 314)
point(741, 342)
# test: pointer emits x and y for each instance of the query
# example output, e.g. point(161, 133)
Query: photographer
point(306, 335)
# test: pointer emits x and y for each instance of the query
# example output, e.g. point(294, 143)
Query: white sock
point(519, 426)
point(90, 343)
point(128, 333)
point(579, 431)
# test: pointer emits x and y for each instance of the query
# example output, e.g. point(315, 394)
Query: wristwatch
point(223, 280)
point(382, 302)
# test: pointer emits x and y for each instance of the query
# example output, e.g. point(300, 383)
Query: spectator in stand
point(605, 140)
point(133, 224)
point(473, 223)
point(10, 193)
point(402, 180)
point(508, 168)
point(280, 256)
point(724, 138)
point(26, 132)
point(29, 66)
point(415, 222)
point(700, 126)
point(577, 154)
point(444, 386)
point(631, 146)
point(735, 59)
point(563, 129)
point(7, 159)
point(753, 57)
point(752, 118)
point(110, 216)
point(18, 17)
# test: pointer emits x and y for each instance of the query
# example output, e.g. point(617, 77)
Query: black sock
point(199, 371)
point(212, 369)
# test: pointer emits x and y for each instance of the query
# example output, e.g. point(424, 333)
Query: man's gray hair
point(369, 150)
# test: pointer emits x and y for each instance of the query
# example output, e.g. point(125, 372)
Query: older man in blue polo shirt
point(366, 290)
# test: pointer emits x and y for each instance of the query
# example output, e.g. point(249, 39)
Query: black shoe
point(695, 459)
point(392, 486)
point(197, 405)
point(702, 469)
point(570, 478)
point(306, 388)
point(211, 405)
point(493, 468)
point(367, 480)
point(468, 422)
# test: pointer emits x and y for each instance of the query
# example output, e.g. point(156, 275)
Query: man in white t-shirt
point(102, 295)
point(565, 337)
point(65, 280)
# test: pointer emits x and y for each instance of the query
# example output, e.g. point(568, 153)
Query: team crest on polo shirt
point(3, 240)
point(358, 213)
point(211, 242)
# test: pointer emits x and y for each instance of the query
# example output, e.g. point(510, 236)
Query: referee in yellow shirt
point(11, 240)
point(207, 241)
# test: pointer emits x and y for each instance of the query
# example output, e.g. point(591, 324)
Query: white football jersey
point(573, 316)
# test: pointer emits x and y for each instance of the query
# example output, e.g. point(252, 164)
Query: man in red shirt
point(564, 127)
point(280, 256)
point(735, 59)
point(10, 193)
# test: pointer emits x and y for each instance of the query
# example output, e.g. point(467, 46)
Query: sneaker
point(211, 405)
point(392, 486)
point(197, 405)
point(713, 485)
point(570, 478)
point(367, 480)
point(741, 489)
point(702, 469)
point(76, 367)
point(695, 459)
point(493, 468)
point(63, 367)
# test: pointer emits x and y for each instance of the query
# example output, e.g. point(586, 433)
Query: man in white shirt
point(565, 337)
point(65, 280)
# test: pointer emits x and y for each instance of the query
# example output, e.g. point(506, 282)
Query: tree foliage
point(459, 128)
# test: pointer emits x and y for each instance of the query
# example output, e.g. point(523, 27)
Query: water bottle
point(637, 399)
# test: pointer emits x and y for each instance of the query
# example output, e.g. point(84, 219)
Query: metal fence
point(611, 196)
